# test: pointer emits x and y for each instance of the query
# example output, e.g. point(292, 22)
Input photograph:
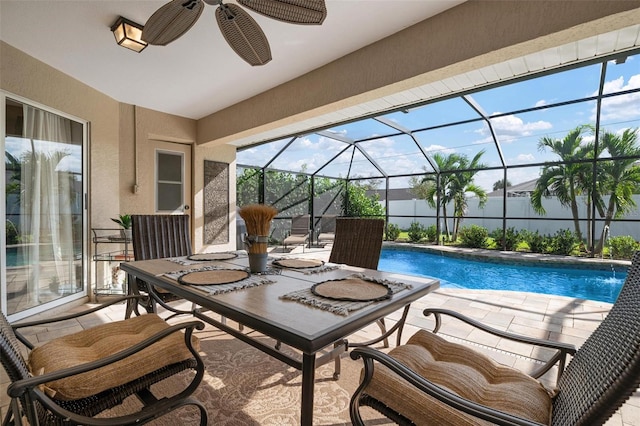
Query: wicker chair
point(73, 378)
point(358, 242)
point(432, 381)
point(156, 237)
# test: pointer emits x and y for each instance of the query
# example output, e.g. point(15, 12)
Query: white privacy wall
point(519, 207)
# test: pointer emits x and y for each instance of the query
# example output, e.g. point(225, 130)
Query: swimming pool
point(454, 272)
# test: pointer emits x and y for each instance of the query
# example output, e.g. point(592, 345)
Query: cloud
point(525, 158)
point(540, 103)
point(622, 107)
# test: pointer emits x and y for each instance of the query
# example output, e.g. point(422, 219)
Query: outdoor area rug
point(243, 386)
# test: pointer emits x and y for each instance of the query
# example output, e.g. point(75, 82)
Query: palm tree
point(437, 191)
point(619, 178)
point(462, 185)
point(564, 181)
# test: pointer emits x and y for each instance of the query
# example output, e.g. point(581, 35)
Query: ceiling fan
point(240, 30)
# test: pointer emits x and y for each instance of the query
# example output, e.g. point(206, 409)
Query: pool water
point(453, 272)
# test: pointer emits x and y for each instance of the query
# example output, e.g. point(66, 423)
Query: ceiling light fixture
point(128, 34)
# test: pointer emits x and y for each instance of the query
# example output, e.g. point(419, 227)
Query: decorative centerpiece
point(257, 218)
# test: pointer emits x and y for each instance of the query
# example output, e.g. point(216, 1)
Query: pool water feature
point(455, 272)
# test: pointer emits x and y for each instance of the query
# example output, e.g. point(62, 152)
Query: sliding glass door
point(43, 245)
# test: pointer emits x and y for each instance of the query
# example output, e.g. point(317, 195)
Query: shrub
point(416, 232)
point(623, 246)
point(537, 243)
point(563, 242)
point(393, 232)
point(12, 233)
point(512, 238)
point(431, 232)
point(474, 236)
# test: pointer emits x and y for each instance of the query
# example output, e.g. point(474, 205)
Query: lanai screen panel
point(520, 135)
point(466, 140)
point(435, 114)
point(363, 129)
point(259, 155)
point(396, 155)
point(549, 89)
point(308, 153)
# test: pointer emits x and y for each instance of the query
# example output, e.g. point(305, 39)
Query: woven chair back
point(606, 369)
point(158, 236)
point(11, 356)
point(16, 367)
point(358, 242)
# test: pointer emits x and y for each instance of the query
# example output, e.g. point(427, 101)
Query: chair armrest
point(28, 344)
point(447, 397)
point(563, 349)
point(19, 387)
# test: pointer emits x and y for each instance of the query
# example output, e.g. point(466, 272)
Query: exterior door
point(43, 249)
point(172, 178)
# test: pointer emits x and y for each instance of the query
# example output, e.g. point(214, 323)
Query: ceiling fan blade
point(310, 12)
point(171, 21)
point(243, 34)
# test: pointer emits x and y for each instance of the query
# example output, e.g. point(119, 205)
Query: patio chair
point(73, 378)
point(299, 233)
point(432, 381)
point(156, 237)
point(327, 229)
point(358, 242)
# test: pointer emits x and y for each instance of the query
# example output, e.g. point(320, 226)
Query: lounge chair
point(299, 233)
point(432, 381)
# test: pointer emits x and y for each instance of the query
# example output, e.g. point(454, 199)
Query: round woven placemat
point(352, 289)
point(212, 256)
point(216, 277)
point(298, 263)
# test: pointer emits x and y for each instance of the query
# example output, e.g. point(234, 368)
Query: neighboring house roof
point(523, 189)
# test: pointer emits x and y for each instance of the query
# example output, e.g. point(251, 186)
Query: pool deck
point(563, 319)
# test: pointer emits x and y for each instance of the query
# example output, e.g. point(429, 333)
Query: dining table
point(300, 303)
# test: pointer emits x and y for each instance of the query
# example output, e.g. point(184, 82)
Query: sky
point(518, 133)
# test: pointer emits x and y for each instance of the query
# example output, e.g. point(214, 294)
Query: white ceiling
point(198, 74)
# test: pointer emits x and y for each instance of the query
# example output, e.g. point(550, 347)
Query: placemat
point(212, 256)
point(251, 281)
point(184, 260)
point(341, 307)
point(298, 263)
point(307, 270)
point(215, 277)
point(352, 289)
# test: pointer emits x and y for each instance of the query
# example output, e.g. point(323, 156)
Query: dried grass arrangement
point(257, 218)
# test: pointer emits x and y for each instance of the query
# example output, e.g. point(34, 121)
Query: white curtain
point(46, 203)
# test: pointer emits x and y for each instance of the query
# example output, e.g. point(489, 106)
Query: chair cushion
point(101, 341)
point(464, 371)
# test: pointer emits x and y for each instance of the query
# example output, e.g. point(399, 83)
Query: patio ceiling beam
point(478, 109)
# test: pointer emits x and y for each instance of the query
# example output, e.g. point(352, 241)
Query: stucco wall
point(121, 136)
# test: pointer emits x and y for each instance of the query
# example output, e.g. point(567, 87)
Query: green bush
point(12, 233)
point(563, 242)
point(416, 232)
point(537, 243)
point(431, 232)
point(393, 232)
point(474, 236)
point(623, 246)
point(511, 237)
